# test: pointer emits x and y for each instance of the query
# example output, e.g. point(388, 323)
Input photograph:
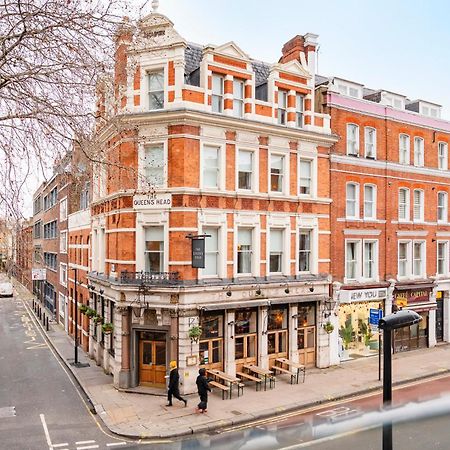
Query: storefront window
point(356, 335)
point(211, 341)
point(277, 330)
point(277, 319)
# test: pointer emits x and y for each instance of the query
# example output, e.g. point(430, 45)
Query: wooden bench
point(249, 377)
point(221, 387)
point(285, 371)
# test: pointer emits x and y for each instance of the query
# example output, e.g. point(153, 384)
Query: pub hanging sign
point(198, 250)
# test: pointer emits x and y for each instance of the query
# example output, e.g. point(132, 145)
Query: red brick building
point(206, 140)
point(389, 216)
point(23, 256)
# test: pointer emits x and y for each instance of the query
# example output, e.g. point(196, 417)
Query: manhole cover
point(236, 413)
point(9, 411)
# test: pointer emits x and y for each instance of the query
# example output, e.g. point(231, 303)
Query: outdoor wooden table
point(293, 365)
point(233, 381)
point(265, 373)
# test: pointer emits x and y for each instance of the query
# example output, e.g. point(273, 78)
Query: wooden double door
point(152, 358)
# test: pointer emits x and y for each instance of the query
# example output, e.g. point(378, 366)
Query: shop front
point(245, 337)
point(212, 342)
point(306, 334)
point(277, 333)
point(417, 299)
point(358, 337)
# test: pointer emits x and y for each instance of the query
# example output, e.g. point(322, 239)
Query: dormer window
point(299, 110)
point(156, 90)
point(282, 107)
point(238, 98)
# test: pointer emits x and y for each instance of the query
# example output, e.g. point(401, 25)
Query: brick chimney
point(298, 45)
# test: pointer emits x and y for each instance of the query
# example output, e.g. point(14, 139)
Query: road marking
point(47, 435)
point(87, 447)
point(114, 444)
point(60, 445)
point(84, 442)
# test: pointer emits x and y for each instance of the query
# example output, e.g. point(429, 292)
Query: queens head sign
point(152, 201)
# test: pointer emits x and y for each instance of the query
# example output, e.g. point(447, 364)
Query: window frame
point(156, 70)
point(220, 166)
point(299, 110)
point(419, 156)
point(442, 209)
point(367, 130)
point(442, 157)
point(421, 205)
point(356, 200)
point(206, 230)
point(251, 252)
point(359, 261)
point(162, 253)
point(282, 109)
point(410, 260)
point(145, 165)
point(407, 150)
point(63, 208)
point(312, 166)
point(61, 266)
point(310, 252)
point(220, 96)
point(238, 100)
point(407, 217)
point(253, 171)
point(282, 253)
point(445, 260)
point(283, 174)
point(373, 216)
point(63, 238)
point(356, 142)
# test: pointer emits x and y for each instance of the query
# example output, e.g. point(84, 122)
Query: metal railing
point(149, 278)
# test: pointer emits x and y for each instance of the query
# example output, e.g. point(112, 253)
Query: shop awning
point(261, 302)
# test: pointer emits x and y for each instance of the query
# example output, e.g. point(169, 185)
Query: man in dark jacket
point(203, 388)
point(174, 381)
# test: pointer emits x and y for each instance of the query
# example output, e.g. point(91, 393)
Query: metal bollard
point(43, 318)
point(46, 323)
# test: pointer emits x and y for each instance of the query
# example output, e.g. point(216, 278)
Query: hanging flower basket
point(97, 319)
point(90, 312)
point(82, 308)
point(328, 327)
point(195, 333)
point(107, 328)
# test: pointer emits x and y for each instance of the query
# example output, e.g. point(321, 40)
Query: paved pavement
point(146, 416)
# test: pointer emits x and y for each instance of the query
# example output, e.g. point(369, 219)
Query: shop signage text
point(403, 298)
point(152, 201)
point(362, 295)
point(198, 253)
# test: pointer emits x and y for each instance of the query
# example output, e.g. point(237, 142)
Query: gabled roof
point(231, 49)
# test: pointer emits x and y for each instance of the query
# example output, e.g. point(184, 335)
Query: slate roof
point(192, 56)
point(261, 70)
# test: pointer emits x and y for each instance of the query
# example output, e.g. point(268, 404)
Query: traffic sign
point(375, 316)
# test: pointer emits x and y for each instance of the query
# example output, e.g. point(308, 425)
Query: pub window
point(277, 330)
point(306, 333)
point(211, 341)
point(154, 249)
point(245, 322)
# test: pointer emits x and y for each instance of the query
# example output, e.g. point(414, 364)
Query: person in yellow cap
point(174, 382)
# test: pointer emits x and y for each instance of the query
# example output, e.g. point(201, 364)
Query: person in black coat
point(203, 388)
point(174, 388)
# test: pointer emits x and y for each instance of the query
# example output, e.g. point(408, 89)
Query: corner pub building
point(205, 140)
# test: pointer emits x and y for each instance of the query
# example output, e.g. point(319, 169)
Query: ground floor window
point(306, 333)
point(211, 341)
point(410, 338)
point(277, 333)
point(245, 337)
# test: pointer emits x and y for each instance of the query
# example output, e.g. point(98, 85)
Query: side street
point(146, 416)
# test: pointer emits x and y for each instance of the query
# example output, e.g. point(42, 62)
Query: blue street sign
point(375, 316)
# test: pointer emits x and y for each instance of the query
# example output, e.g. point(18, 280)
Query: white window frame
point(370, 148)
point(407, 205)
point(284, 172)
point(360, 268)
point(421, 206)
point(404, 151)
point(445, 259)
point(62, 305)
point(284, 233)
point(63, 241)
point(63, 266)
point(419, 151)
point(352, 144)
point(282, 109)
point(145, 183)
point(149, 92)
point(220, 166)
point(312, 179)
point(422, 260)
point(356, 200)
point(63, 209)
point(205, 230)
point(373, 214)
point(409, 259)
point(238, 102)
point(254, 171)
point(312, 249)
point(442, 210)
point(443, 155)
point(165, 251)
point(299, 110)
point(218, 95)
point(253, 261)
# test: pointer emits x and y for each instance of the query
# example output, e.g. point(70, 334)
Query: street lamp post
point(399, 319)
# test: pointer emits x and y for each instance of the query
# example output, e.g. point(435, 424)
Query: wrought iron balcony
point(149, 278)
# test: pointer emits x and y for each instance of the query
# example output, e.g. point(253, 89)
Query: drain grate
point(8, 411)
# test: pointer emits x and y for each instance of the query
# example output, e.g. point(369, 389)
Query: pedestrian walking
point(203, 388)
point(174, 385)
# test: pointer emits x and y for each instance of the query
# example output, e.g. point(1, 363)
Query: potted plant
point(90, 312)
point(107, 328)
point(82, 308)
point(194, 333)
point(347, 335)
point(328, 327)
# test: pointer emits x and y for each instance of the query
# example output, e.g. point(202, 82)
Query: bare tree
point(52, 52)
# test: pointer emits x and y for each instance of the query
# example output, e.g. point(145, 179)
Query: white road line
point(60, 445)
point(47, 435)
point(88, 447)
point(113, 444)
point(84, 442)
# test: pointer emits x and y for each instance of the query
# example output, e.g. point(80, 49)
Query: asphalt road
point(40, 404)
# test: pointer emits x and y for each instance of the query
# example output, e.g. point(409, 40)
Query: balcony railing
point(149, 278)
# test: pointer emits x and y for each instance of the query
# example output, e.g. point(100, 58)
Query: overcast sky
point(397, 45)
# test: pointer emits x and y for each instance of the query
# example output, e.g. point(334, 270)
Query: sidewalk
point(146, 416)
